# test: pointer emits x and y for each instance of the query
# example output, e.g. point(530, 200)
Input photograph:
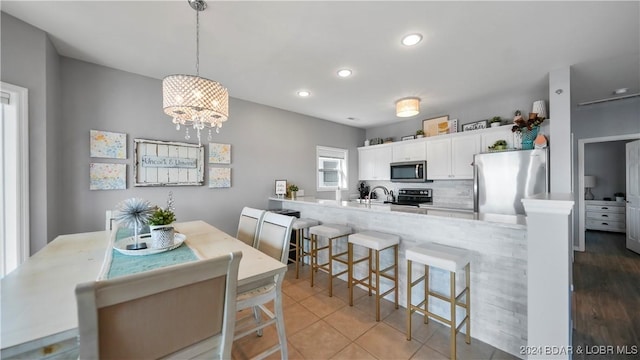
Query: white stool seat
point(441, 256)
point(304, 223)
point(330, 230)
point(374, 240)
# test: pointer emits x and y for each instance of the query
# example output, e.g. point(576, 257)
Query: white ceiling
point(265, 51)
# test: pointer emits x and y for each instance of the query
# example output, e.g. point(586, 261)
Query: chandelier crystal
point(193, 100)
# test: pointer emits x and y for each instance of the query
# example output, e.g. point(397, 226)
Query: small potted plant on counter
point(495, 121)
point(162, 232)
point(293, 189)
point(498, 145)
point(419, 133)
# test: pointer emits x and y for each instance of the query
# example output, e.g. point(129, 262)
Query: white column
point(560, 129)
point(549, 275)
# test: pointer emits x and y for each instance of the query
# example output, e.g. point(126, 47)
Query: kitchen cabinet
point(489, 136)
point(451, 158)
point(605, 215)
point(373, 162)
point(409, 151)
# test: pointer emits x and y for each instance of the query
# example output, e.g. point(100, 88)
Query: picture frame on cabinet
point(436, 126)
point(408, 137)
point(482, 124)
point(469, 127)
point(281, 187)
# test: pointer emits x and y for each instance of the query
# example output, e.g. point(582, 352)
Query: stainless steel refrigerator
point(503, 179)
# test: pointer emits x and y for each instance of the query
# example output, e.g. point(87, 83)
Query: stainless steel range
point(414, 197)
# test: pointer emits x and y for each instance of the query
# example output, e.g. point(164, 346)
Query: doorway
point(581, 183)
point(14, 179)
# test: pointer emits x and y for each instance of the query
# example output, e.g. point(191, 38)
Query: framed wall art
point(436, 126)
point(219, 153)
point(219, 177)
point(482, 124)
point(281, 187)
point(469, 127)
point(408, 137)
point(104, 176)
point(106, 144)
point(164, 163)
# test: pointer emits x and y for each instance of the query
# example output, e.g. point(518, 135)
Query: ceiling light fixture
point(408, 107)
point(343, 73)
point(303, 93)
point(411, 39)
point(194, 100)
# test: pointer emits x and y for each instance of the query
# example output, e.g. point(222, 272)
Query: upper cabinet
point(490, 136)
point(409, 151)
point(452, 158)
point(373, 162)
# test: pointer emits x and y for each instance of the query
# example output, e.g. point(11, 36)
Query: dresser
point(605, 215)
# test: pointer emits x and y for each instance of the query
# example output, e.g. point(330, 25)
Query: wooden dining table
point(38, 305)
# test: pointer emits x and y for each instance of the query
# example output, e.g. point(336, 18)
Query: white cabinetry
point(409, 151)
point(605, 215)
point(491, 135)
point(373, 162)
point(451, 158)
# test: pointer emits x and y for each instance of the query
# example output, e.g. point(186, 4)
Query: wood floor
point(606, 298)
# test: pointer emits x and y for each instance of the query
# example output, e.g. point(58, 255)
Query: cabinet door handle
point(604, 223)
point(604, 215)
point(604, 208)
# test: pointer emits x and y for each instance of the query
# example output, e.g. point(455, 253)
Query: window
point(332, 168)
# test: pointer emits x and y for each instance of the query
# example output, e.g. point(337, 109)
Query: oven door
point(410, 171)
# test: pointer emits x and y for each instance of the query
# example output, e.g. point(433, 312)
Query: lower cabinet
point(605, 215)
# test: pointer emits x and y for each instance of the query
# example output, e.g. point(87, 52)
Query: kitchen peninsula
point(498, 244)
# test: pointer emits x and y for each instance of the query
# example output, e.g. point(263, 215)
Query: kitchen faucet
point(386, 191)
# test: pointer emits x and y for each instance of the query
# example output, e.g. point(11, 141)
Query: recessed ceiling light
point(411, 39)
point(621, 91)
point(303, 93)
point(344, 73)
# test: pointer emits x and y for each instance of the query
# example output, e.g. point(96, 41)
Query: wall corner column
point(549, 275)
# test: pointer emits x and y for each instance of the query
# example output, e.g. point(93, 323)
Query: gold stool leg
point(330, 267)
point(314, 255)
point(370, 269)
point(409, 287)
point(395, 273)
point(426, 293)
point(298, 253)
point(468, 283)
point(452, 276)
point(350, 265)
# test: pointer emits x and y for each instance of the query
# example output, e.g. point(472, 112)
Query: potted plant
point(499, 145)
point(619, 196)
point(419, 133)
point(528, 130)
point(293, 189)
point(495, 121)
point(162, 231)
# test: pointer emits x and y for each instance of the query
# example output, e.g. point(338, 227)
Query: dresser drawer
point(605, 216)
point(606, 208)
point(617, 226)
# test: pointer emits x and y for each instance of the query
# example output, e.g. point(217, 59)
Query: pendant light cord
point(198, 43)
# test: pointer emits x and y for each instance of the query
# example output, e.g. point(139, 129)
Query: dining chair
point(273, 239)
point(182, 311)
point(249, 225)
point(110, 219)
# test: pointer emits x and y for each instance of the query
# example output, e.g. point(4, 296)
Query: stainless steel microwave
point(409, 171)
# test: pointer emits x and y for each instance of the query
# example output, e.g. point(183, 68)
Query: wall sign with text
point(163, 163)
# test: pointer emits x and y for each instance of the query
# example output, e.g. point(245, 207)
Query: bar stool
point(377, 241)
point(298, 227)
point(331, 232)
point(447, 258)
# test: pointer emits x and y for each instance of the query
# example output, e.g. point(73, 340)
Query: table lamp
point(589, 182)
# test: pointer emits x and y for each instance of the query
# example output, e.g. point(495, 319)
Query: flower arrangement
point(162, 217)
point(521, 125)
point(293, 187)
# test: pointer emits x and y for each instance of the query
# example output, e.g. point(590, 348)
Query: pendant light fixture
point(193, 100)
point(408, 107)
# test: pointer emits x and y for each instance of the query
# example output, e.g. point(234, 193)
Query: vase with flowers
point(528, 130)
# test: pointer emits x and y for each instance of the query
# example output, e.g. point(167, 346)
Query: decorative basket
point(528, 136)
point(161, 236)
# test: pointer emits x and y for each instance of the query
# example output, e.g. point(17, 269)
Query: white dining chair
point(273, 239)
point(110, 219)
point(181, 312)
point(249, 225)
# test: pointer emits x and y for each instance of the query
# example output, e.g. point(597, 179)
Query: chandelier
point(193, 100)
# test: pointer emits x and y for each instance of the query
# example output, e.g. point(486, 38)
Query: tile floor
point(323, 327)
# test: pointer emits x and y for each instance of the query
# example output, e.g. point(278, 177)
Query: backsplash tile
point(456, 193)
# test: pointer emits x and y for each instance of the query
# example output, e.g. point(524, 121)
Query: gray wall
point(606, 162)
point(503, 105)
point(28, 60)
point(266, 144)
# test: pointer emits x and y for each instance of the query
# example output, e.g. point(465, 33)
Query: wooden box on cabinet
point(605, 215)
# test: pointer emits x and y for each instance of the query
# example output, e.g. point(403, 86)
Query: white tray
point(121, 245)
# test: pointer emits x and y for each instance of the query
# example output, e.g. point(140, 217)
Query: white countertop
point(514, 221)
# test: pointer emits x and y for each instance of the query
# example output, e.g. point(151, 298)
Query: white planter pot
point(161, 236)
point(495, 124)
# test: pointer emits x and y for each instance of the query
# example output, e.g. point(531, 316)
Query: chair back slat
point(274, 235)
point(249, 225)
